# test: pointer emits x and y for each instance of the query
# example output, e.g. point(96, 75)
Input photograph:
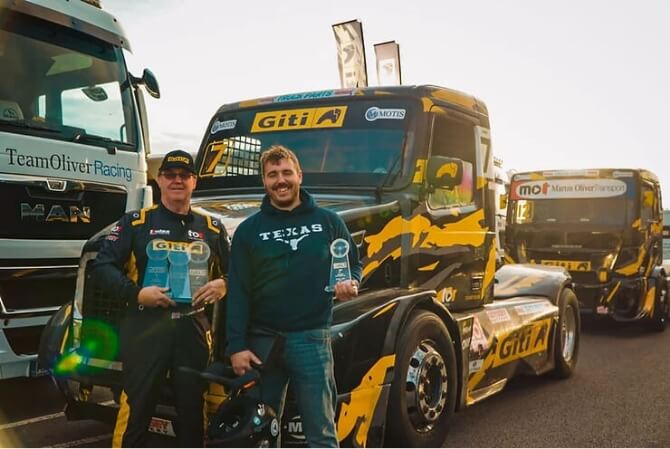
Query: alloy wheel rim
point(568, 334)
point(426, 386)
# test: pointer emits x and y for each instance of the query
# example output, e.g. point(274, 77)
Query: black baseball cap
point(178, 159)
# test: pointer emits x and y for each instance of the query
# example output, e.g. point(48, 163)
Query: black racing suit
point(155, 341)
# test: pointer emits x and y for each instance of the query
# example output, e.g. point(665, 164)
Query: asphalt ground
point(619, 396)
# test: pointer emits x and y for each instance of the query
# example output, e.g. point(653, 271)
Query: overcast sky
point(568, 83)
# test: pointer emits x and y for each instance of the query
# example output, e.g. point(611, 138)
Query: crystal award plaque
point(339, 265)
point(156, 272)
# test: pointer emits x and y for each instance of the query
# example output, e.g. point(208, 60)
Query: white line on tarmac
point(88, 440)
point(25, 422)
point(37, 419)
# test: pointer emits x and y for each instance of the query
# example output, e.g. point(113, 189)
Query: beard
point(286, 198)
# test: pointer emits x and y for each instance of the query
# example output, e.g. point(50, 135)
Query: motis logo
point(291, 119)
point(375, 113)
point(533, 189)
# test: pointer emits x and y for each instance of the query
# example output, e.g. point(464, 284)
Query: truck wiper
point(379, 188)
point(23, 124)
point(84, 138)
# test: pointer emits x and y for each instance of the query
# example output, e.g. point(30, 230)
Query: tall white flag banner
point(388, 63)
point(351, 54)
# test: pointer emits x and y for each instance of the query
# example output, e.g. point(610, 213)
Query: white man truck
point(73, 141)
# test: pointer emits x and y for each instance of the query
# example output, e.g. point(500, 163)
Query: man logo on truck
point(57, 213)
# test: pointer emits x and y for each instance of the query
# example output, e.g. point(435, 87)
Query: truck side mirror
point(444, 172)
point(149, 81)
point(503, 201)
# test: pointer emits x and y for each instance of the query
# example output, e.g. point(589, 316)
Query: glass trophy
point(198, 267)
point(156, 272)
point(339, 265)
point(179, 259)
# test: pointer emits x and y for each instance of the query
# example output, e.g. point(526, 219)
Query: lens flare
point(100, 342)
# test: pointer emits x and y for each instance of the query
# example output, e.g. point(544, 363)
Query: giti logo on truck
point(529, 339)
point(284, 120)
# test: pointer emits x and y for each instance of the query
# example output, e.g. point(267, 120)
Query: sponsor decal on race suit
point(195, 235)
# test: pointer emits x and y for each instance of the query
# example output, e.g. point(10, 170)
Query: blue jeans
point(307, 363)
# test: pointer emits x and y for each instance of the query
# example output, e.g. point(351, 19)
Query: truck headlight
point(521, 252)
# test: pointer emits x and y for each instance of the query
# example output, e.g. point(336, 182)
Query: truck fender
point(531, 280)
point(427, 301)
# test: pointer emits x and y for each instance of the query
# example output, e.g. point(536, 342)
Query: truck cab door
point(651, 222)
point(457, 243)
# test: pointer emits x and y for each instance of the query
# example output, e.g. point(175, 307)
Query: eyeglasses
point(172, 176)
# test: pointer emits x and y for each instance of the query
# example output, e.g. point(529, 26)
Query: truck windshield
point(607, 202)
point(58, 83)
point(609, 211)
point(353, 143)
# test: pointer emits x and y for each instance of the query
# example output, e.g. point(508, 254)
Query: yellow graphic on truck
point(571, 265)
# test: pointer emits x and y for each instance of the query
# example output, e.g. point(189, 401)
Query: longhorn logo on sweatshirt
point(291, 236)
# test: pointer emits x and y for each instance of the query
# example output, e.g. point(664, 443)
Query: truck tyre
point(659, 316)
point(423, 393)
point(566, 339)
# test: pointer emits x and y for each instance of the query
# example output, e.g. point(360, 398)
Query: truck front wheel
point(659, 316)
point(566, 342)
point(423, 393)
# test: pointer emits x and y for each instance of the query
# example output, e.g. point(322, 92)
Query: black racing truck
point(605, 227)
point(410, 170)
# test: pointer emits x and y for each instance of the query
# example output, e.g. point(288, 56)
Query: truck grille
point(24, 340)
point(585, 277)
point(36, 288)
point(34, 212)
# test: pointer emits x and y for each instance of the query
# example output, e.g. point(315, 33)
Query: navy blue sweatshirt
point(279, 268)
